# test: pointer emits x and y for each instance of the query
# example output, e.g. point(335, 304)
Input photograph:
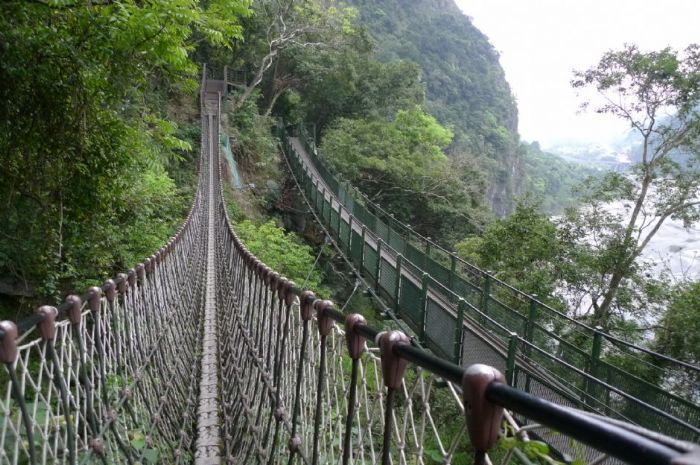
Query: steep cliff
point(465, 84)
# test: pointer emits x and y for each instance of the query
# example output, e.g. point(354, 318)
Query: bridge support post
point(325, 324)
point(356, 346)
point(364, 241)
point(378, 268)
point(349, 242)
point(457, 353)
point(393, 368)
point(323, 202)
point(423, 304)
point(426, 257)
point(510, 359)
point(486, 295)
point(483, 417)
point(397, 284)
point(530, 333)
point(592, 368)
point(340, 218)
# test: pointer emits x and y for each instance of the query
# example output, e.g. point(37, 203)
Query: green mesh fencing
point(343, 234)
point(387, 280)
point(554, 360)
point(381, 230)
point(370, 262)
point(440, 328)
point(334, 222)
point(467, 290)
point(414, 255)
point(397, 242)
point(411, 303)
point(356, 247)
point(440, 273)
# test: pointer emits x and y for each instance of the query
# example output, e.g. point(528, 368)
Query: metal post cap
point(8, 343)
point(483, 417)
point(95, 294)
point(355, 342)
point(325, 323)
point(47, 325)
point(74, 312)
point(393, 366)
point(307, 301)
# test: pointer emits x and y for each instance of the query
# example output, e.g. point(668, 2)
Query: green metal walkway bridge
point(203, 354)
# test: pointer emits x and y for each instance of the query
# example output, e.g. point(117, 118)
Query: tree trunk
point(277, 95)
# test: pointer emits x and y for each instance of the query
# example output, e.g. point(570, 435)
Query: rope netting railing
point(459, 312)
point(108, 377)
point(305, 383)
point(202, 354)
point(464, 277)
point(308, 384)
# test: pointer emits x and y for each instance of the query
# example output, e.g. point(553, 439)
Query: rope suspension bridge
point(203, 354)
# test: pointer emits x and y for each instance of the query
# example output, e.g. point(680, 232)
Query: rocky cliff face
point(465, 84)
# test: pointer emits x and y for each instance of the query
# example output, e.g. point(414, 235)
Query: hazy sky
point(542, 41)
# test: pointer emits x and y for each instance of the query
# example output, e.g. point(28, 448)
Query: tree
point(401, 166)
point(282, 25)
point(350, 82)
point(679, 333)
point(679, 336)
point(640, 88)
point(522, 250)
point(85, 134)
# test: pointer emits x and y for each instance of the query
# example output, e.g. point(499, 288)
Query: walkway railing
point(122, 375)
point(108, 377)
point(466, 314)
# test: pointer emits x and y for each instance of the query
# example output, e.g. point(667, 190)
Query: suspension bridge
point(203, 354)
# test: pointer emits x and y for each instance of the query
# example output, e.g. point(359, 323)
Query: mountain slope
point(465, 84)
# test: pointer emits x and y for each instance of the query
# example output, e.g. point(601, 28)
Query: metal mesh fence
point(440, 327)
point(387, 279)
point(498, 309)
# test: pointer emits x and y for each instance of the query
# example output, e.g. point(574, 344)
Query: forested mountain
point(465, 84)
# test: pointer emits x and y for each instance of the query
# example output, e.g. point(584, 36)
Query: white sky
point(542, 41)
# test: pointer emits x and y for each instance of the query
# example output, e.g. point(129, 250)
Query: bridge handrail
point(123, 371)
point(319, 160)
point(623, 442)
point(592, 362)
point(607, 437)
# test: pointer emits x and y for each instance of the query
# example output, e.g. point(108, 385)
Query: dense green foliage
point(284, 252)
point(88, 144)
point(465, 85)
point(522, 249)
point(679, 333)
point(352, 83)
point(400, 165)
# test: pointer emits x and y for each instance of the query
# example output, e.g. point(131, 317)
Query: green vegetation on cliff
point(465, 84)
